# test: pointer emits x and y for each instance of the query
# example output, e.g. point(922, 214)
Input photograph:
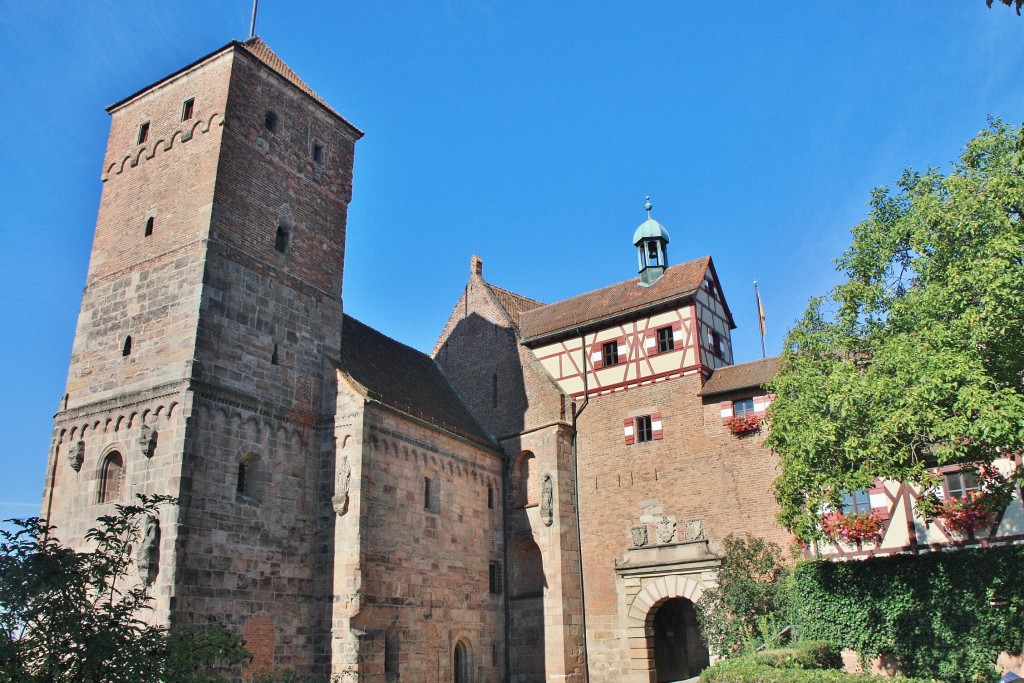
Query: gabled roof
point(262, 52)
point(514, 304)
point(609, 303)
point(742, 376)
point(405, 379)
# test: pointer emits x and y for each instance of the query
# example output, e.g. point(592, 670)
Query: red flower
point(744, 424)
point(853, 528)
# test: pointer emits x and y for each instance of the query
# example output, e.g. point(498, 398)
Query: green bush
point(750, 604)
point(750, 670)
point(802, 655)
point(943, 615)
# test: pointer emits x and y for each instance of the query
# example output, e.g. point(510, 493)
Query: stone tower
point(203, 361)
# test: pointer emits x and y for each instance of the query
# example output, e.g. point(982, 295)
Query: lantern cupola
point(651, 240)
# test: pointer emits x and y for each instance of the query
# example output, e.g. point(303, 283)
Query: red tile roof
point(403, 378)
point(742, 376)
point(514, 304)
point(624, 298)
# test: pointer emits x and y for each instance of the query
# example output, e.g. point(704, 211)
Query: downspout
point(576, 412)
point(505, 509)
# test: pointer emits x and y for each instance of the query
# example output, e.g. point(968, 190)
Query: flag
point(760, 310)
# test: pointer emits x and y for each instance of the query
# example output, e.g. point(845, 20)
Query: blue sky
point(525, 132)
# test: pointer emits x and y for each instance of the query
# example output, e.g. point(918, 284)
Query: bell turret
point(651, 240)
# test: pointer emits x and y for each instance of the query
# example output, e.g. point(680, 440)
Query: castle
point(543, 497)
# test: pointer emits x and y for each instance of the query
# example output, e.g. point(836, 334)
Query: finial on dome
point(648, 206)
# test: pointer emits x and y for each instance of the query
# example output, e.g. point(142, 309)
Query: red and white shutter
point(879, 500)
point(656, 429)
point(597, 356)
point(623, 354)
point(726, 408)
point(761, 404)
point(628, 430)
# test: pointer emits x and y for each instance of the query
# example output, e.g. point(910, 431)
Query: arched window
point(110, 477)
point(126, 350)
point(462, 664)
point(149, 226)
point(247, 478)
point(273, 357)
point(281, 240)
point(524, 481)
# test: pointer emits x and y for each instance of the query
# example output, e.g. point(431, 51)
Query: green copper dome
point(650, 228)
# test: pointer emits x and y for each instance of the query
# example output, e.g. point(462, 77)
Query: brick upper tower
point(203, 361)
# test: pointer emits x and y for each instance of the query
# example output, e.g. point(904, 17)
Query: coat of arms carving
point(695, 529)
point(639, 535)
point(666, 529)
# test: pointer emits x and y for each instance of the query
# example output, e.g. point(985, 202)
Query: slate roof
point(514, 304)
point(403, 378)
point(742, 376)
point(608, 303)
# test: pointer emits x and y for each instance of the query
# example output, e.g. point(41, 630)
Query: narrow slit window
point(318, 153)
point(241, 481)
point(187, 108)
point(110, 478)
point(494, 390)
point(270, 121)
point(281, 239)
point(126, 350)
point(149, 226)
point(494, 578)
point(490, 497)
point(274, 357)
point(143, 132)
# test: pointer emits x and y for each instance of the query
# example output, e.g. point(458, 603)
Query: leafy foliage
point(755, 670)
point(79, 616)
point(917, 359)
point(749, 605)
point(943, 615)
point(805, 654)
point(1014, 3)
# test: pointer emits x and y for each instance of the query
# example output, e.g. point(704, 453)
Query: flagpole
point(760, 317)
point(252, 24)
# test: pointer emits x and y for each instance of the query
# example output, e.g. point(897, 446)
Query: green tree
point(749, 606)
point(78, 617)
point(917, 359)
point(1017, 4)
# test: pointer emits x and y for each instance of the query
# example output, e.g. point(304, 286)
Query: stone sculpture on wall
point(147, 555)
point(340, 500)
point(695, 529)
point(639, 535)
point(666, 529)
point(147, 440)
point(76, 455)
point(547, 511)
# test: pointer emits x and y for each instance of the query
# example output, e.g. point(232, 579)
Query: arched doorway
point(679, 650)
point(526, 614)
point(461, 664)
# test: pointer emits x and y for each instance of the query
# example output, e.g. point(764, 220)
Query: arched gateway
point(662, 618)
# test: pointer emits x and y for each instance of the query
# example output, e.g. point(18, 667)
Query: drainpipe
point(576, 412)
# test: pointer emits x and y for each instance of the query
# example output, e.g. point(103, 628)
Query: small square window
point(270, 121)
point(143, 132)
point(959, 484)
point(318, 153)
point(187, 109)
point(643, 429)
point(610, 352)
point(666, 342)
point(856, 503)
point(743, 407)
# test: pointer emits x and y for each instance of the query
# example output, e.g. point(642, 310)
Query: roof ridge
point(515, 294)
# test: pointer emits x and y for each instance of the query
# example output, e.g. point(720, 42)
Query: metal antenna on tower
point(252, 24)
